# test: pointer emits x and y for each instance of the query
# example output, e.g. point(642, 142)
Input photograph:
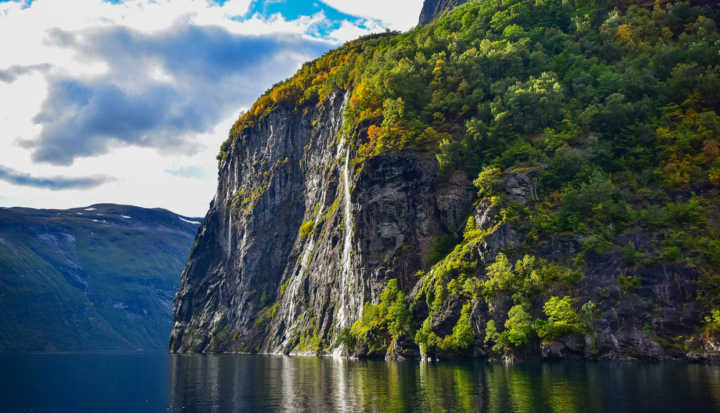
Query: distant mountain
point(90, 279)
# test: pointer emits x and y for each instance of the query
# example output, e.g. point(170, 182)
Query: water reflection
point(272, 383)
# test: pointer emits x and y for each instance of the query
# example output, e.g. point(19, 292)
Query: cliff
point(90, 279)
point(298, 238)
point(474, 188)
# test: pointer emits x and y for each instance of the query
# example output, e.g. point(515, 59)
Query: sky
point(128, 101)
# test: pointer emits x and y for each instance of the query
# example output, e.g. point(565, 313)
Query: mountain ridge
point(94, 278)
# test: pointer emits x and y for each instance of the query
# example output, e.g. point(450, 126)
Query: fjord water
point(229, 383)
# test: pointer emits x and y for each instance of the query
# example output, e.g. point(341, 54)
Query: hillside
point(89, 279)
point(516, 179)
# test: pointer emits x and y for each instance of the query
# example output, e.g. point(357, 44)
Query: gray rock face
point(299, 236)
point(632, 323)
point(432, 9)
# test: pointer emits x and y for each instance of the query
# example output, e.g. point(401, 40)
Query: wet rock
point(567, 347)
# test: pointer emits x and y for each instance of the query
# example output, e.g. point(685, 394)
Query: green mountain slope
point(95, 278)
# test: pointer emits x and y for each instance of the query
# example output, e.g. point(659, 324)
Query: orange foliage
point(710, 150)
point(315, 81)
point(625, 35)
point(677, 170)
point(374, 136)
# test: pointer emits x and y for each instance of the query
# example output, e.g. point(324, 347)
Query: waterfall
point(229, 236)
point(337, 123)
point(347, 242)
point(347, 209)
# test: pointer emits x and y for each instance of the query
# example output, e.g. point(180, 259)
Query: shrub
point(385, 321)
point(526, 278)
point(306, 229)
point(518, 331)
point(562, 319)
point(488, 182)
point(518, 326)
point(441, 247)
point(628, 283)
point(463, 336)
point(712, 322)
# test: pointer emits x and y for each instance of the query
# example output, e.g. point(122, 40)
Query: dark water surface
point(158, 383)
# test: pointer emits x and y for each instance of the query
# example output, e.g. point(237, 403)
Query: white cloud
point(349, 31)
point(396, 14)
point(53, 43)
point(140, 179)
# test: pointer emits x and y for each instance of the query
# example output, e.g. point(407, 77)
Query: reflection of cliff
point(286, 384)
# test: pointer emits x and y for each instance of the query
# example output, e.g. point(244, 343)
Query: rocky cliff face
point(631, 319)
point(298, 237)
point(368, 238)
point(432, 9)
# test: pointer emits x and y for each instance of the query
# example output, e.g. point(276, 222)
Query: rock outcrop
point(630, 320)
point(299, 237)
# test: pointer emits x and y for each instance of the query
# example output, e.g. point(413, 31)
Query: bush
point(518, 331)
point(442, 246)
point(306, 229)
point(463, 336)
point(628, 283)
point(596, 244)
point(562, 319)
point(712, 322)
point(526, 278)
point(518, 326)
point(488, 182)
point(385, 321)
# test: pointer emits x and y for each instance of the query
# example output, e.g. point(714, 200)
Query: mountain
point(90, 279)
point(517, 179)
point(432, 9)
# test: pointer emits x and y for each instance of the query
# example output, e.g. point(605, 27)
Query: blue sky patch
point(294, 9)
point(288, 9)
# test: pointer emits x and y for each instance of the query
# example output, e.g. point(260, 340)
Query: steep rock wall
point(300, 235)
point(629, 323)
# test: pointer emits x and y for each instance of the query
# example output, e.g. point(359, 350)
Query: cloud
point(54, 183)
point(192, 171)
point(13, 72)
point(396, 14)
point(348, 31)
point(145, 90)
point(160, 89)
